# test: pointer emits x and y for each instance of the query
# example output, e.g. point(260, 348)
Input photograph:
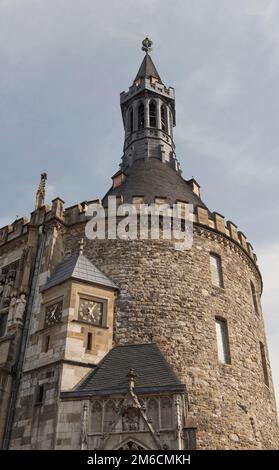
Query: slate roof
point(152, 178)
point(153, 373)
point(147, 69)
point(80, 268)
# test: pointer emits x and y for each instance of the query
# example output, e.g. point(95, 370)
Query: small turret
point(148, 111)
point(40, 196)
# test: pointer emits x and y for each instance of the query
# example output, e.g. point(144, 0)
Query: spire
point(40, 196)
point(147, 68)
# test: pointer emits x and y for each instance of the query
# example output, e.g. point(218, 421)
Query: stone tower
point(112, 344)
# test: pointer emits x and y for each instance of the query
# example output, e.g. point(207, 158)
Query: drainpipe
point(22, 349)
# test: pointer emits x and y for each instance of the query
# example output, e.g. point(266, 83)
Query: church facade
point(116, 344)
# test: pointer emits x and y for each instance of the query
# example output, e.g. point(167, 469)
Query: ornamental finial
point(132, 377)
point(147, 45)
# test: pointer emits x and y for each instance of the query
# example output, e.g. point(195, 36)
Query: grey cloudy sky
point(63, 64)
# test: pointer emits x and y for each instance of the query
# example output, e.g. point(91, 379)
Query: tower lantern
point(148, 111)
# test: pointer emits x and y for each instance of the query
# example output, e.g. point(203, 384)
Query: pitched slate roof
point(147, 69)
point(153, 373)
point(80, 268)
point(152, 178)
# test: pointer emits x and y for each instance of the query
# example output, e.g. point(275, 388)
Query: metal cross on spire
point(147, 45)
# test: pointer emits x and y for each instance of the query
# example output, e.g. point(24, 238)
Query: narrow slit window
point(40, 395)
point(141, 116)
point(89, 341)
point(131, 120)
point(216, 270)
point(264, 364)
point(152, 114)
point(254, 298)
point(222, 337)
point(46, 343)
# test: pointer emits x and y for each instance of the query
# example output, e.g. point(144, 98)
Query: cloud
point(63, 65)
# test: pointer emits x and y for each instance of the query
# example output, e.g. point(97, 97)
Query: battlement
point(78, 214)
point(149, 85)
point(14, 230)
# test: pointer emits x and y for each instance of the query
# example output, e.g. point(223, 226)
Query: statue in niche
point(130, 420)
point(11, 315)
point(9, 289)
point(20, 305)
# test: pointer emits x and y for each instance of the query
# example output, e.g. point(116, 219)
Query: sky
point(63, 65)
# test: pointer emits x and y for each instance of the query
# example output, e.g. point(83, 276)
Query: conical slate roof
point(80, 268)
point(152, 178)
point(147, 69)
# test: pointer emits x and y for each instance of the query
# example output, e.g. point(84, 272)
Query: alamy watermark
point(142, 222)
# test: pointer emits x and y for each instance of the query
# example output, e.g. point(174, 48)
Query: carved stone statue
point(20, 308)
point(11, 314)
point(130, 420)
point(8, 290)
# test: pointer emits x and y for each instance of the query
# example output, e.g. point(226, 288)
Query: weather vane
point(147, 45)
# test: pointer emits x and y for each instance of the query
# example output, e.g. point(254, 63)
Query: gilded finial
point(147, 45)
point(81, 246)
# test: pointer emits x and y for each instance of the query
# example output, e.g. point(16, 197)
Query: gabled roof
point(153, 373)
point(80, 268)
point(147, 69)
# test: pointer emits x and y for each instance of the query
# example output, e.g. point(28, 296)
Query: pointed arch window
point(152, 114)
point(153, 412)
point(96, 417)
point(109, 415)
point(131, 120)
point(164, 125)
point(141, 116)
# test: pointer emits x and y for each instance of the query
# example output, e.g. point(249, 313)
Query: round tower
point(201, 306)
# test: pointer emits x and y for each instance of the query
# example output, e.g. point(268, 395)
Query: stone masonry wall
point(167, 296)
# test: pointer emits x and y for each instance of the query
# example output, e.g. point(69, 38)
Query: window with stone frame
point(216, 270)
point(141, 122)
point(152, 410)
point(96, 417)
point(166, 413)
point(152, 114)
point(110, 415)
point(131, 119)
point(222, 337)
point(254, 298)
point(264, 364)
point(40, 395)
point(164, 118)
